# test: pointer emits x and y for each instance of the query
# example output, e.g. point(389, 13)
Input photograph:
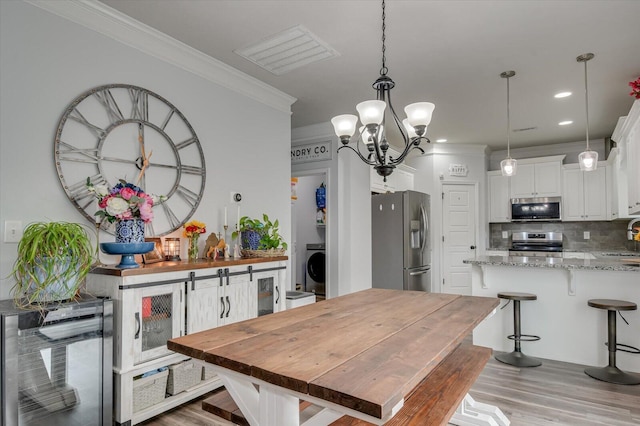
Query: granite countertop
point(601, 263)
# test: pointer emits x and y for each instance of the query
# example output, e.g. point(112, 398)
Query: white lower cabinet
point(585, 194)
point(150, 308)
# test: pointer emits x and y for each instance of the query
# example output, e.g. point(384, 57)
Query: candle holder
point(172, 249)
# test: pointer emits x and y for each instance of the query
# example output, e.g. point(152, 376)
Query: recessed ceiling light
point(562, 95)
point(565, 123)
point(441, 140)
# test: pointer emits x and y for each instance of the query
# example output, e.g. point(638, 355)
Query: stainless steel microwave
point(536, 209)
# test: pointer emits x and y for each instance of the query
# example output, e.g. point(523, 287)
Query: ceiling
point(450, 53)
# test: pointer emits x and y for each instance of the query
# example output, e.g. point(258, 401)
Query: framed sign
point(460, 170)
point(317, 151)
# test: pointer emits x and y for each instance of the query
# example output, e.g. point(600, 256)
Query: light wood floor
point(555, 393)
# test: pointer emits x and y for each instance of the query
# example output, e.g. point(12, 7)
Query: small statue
point(212, 242)
point(227, 253)
point(236, 251)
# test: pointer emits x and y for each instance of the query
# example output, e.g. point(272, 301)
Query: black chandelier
point(372, 116)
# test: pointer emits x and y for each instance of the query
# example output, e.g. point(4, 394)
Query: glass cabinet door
point(157, 319)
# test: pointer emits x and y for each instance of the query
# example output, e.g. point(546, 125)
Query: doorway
point(459, 225)
point(309, 222)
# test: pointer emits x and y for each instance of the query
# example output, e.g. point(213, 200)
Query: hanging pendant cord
point(508, 122)
point(384, 69)
point(586, 100)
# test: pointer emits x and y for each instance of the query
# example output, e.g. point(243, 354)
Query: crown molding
point(105, 20)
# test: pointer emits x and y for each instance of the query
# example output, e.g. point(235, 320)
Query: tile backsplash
point(604, 235)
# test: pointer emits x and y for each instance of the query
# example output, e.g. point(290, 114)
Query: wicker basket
point(183, 375)
point(148, 391)
point(263, 253)
point(207, 373)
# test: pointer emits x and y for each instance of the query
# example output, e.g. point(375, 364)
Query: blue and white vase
point(130, 231)
point(250, 240)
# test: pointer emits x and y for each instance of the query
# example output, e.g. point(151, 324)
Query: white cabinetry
point(538, 177)
point(400, 180)
point(627, 136)
point(585, 193)
point(152, 307)
point(499, 205)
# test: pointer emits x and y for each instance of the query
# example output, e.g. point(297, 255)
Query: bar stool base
point(612, 375)
point(518, 359)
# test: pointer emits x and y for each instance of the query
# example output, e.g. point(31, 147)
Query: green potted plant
point(53, 260)
point(260, 236)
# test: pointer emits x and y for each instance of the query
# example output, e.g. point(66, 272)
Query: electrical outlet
point(505, 234)
point(586, 235)
point(12, 231)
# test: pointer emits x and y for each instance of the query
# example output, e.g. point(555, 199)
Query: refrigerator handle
point(420, 272)
point(425, 228)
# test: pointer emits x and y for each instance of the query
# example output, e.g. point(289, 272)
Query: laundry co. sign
point(317, 151)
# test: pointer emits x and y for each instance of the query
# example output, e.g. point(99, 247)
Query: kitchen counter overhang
point(619, 265)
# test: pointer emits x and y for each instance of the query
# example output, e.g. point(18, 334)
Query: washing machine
point(315, 266)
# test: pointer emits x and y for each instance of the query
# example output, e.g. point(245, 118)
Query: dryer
point(315, 266)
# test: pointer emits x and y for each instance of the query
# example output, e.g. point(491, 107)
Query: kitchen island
point(570, 330)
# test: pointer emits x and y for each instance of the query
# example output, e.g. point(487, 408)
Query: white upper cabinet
point(499, 204)
point(400, 180)
point(585, 193)
point(538, 177)
point(627, 166)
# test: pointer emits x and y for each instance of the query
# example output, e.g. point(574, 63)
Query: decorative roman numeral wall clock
point(119, 131)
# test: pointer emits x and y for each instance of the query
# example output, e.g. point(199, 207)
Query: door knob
point(472, 247)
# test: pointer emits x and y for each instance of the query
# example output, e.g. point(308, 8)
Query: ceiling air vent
point(287, 50)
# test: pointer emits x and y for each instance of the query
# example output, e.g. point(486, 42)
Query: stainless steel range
point(536, 244)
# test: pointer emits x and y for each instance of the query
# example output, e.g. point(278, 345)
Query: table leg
point(471, 412)
point(245, 395)
point(278, 408)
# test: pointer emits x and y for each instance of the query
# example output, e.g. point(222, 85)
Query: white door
point(459, 237)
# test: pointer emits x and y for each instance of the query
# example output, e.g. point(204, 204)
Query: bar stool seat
point(611, 373)
point(517, 358)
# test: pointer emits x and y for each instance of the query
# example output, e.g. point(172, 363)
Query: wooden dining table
point(359, 355)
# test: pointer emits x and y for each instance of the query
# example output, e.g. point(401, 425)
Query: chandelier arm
point(379, 155)
point(408, 148)
point(367, 161)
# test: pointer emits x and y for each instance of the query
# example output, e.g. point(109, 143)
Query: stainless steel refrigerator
point(401, 254)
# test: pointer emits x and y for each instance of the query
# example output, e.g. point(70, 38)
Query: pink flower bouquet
point(123, 201)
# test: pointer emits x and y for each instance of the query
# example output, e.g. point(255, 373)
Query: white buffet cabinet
point(170, 299)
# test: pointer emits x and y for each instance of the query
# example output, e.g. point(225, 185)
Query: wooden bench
point(432, 402)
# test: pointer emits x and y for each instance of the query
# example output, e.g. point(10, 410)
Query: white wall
point(46, 61)
point(348, 229)
point(570, 149)
point(432, 171)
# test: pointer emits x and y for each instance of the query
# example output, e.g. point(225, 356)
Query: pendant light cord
point(508, 122)
point(586, 100)
point(384, 69)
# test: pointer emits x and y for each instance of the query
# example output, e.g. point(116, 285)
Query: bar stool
point(611, 373)
point(516, 357)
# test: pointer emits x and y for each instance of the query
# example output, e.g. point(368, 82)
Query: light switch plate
point(12, 231)
point(505, 234)
point(586, 235)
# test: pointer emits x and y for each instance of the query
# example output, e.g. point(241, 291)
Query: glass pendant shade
point(508, 166)
point(419, 113)
point(588, 160)
point(410, 130)
point(344, 125)
point(371, 112)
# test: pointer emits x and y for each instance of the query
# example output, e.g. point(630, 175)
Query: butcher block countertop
point(625, 264)
point(365, 351)
point(183, 265)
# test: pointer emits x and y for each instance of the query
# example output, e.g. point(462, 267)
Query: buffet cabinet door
point(157, 317)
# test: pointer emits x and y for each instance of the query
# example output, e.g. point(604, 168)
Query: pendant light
point(508, 165)
point(371, 145)
point(588, 159)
